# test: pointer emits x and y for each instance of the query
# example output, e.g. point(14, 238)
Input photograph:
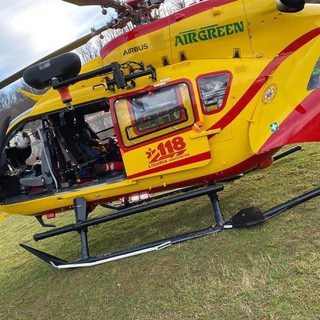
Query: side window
point(314, 81)
point(156, 110)
point(213, 91)
point(148, 115)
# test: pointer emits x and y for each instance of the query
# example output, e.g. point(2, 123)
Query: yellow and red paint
point(267, 106)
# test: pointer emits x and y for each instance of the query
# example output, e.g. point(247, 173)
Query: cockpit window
point(213, 91)
point(314, 81)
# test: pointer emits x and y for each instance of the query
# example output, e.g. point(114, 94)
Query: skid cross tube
point(81, 211)
point(82, 224)
point(128, 212)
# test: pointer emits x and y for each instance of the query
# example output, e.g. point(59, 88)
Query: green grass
point(271, 271)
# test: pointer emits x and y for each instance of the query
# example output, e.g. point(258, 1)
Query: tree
point(13, 102)
point(87, 52)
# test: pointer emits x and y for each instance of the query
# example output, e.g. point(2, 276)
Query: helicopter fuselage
point(235, 81)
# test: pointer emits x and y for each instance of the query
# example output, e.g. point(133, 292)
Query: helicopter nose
point(290, 5)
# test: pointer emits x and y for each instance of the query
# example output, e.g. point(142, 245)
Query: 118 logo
point(167, 150)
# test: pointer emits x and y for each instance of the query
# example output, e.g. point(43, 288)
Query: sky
point(31, 29)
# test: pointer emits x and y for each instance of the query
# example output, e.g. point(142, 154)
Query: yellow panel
point(281, 94)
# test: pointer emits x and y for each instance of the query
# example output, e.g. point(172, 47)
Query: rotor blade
point(71, 46)
point(117, 5)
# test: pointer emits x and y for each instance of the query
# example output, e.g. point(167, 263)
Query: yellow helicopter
point(167, 110)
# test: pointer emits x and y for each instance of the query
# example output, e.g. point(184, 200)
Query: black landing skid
point(244, 218)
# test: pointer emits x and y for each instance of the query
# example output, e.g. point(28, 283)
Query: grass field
point(271, 271)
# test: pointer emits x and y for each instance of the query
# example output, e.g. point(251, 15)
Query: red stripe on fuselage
point(302, 125)
point(199, 157)
point(263, 77)
point(161, 23)
point(231, 172)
